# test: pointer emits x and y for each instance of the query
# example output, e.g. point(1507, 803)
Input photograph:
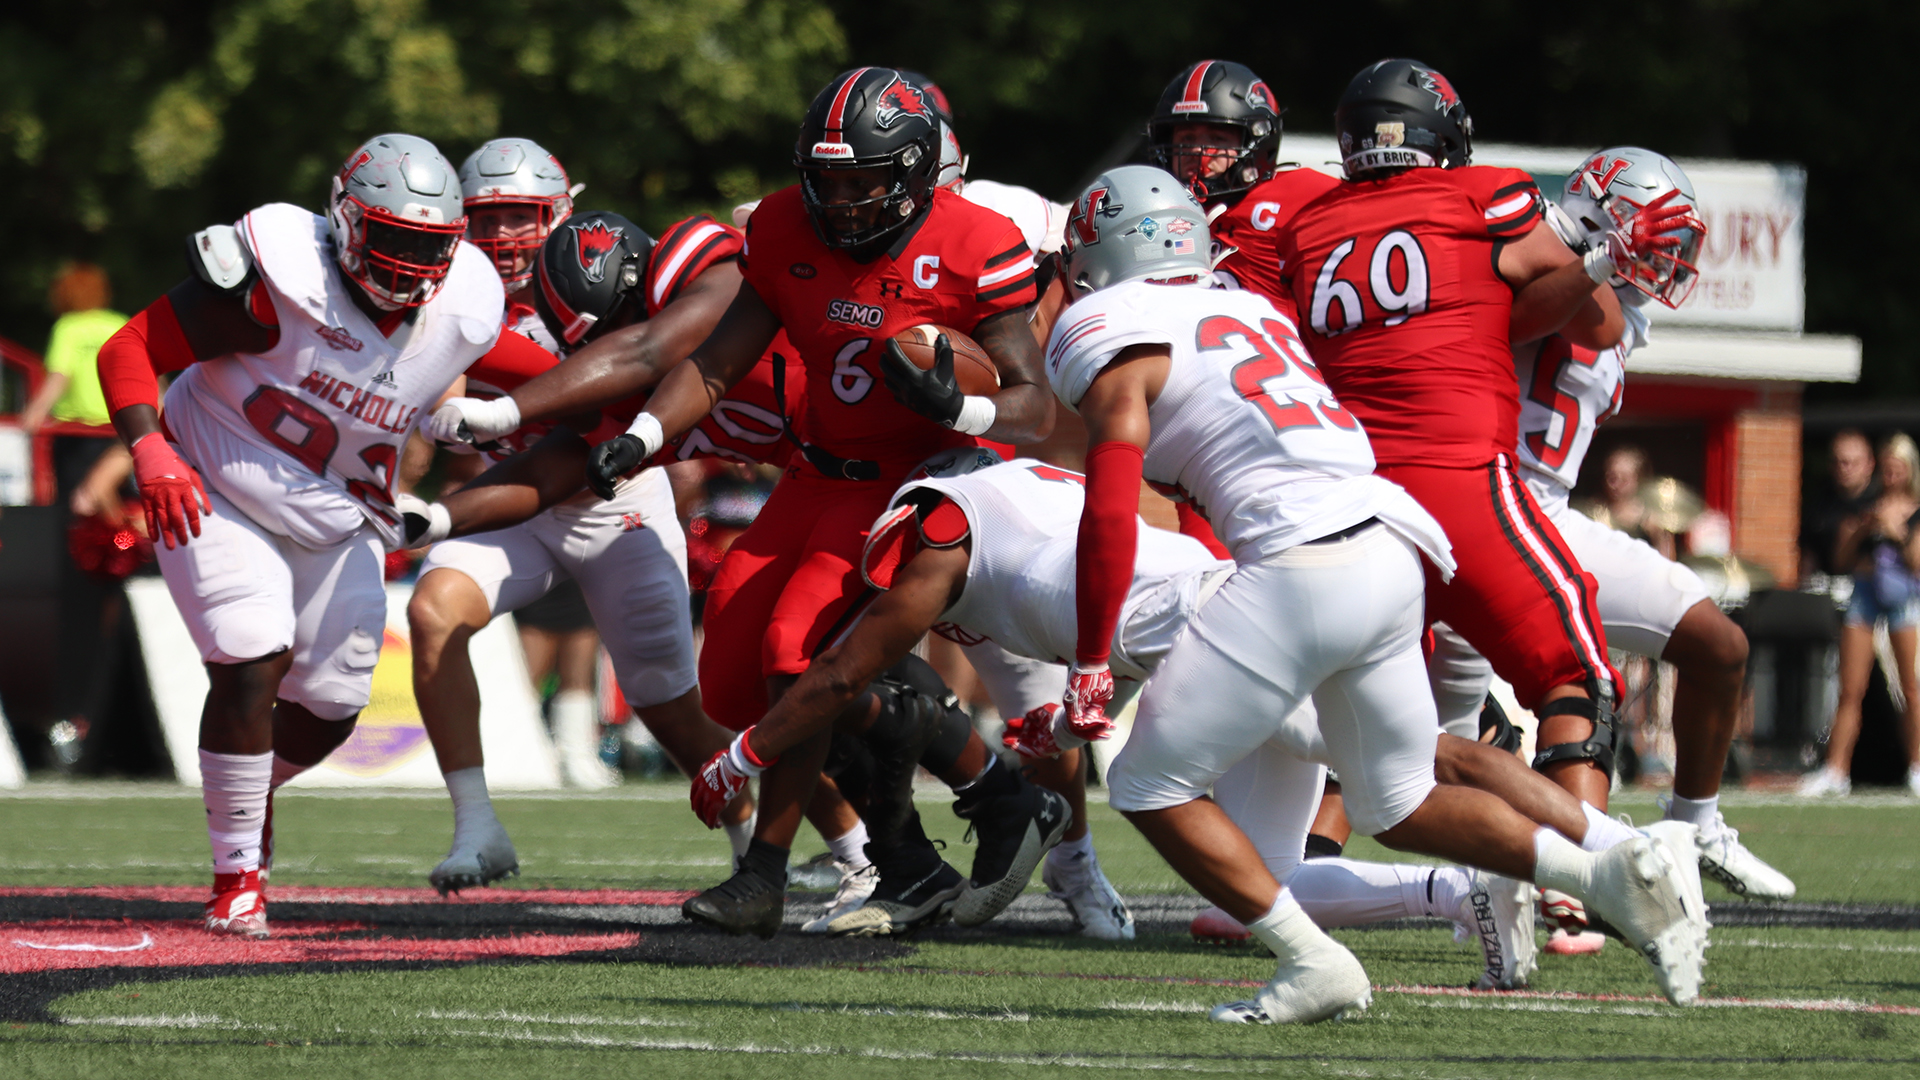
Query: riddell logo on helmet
point(833, 151)
point(593, 243)
point(1437, 84)
point(899, 99)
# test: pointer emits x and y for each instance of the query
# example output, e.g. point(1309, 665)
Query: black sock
point(998, 779)
point(766, 861)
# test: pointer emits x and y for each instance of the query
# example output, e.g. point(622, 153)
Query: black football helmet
point(1399, 114)
point(867, 117)
point(589, 269)
point(1217, 92)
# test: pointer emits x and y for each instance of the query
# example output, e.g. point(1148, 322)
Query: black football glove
point(612, 460)
point(932, 393)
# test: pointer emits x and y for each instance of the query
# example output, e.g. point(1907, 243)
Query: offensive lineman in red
point(1413, 281)
point(863, 248)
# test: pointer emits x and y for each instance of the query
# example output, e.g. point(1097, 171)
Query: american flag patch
point(1183, 246)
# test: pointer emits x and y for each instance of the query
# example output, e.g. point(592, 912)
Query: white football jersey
point(1566, 392)
point(306, 437)
point(1245, 429)
point(1023, 518)
point(1041, 221)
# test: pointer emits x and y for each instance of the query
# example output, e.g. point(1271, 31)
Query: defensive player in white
point(308, 347)
point(628, 553)
point(1650, 605)
point(1210, 393)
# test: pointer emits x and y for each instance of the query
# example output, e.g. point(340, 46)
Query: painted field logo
point(390, 732)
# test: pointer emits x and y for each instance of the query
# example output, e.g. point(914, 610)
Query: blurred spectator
point(1881, 547)
point(1854, 491)
point(71, 392)
point(1626, 470)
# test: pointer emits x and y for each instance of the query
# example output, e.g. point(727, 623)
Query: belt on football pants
point(1347, 533)
point(836, 467)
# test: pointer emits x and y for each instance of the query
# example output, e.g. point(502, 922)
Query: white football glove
point(421, 522)
point(466, 421)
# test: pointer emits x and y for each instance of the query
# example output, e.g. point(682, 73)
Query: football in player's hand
point(972, 368)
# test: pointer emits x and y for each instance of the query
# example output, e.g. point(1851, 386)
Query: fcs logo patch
point(592, 244)
point(1437, 85)
point(899, 99)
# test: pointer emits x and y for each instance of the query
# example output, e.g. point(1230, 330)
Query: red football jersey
point(1247, 231)
point(1401, 304)
point(748, 424)
point(956, 265)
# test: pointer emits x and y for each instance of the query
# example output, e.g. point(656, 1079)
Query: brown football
point(972, 368)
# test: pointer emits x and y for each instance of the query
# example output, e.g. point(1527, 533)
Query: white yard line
point(1756, 943)
point(564, 1021)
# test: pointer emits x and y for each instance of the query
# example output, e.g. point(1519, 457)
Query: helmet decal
point(1260, 97)
point(1597, 174)
point(1437, 85)
point(593, 244)
point(837, 113)
point(1080, 226)
point(1191, 100)
point(900, 98)
point(354, 164)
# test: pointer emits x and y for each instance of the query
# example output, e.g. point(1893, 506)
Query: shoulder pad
point(220, 259)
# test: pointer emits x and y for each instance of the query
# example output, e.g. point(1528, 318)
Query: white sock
point(1602, 831)
point(284, 770)
point(1558, 864)
point(741, 836)
point(850, 847)
point(575, 727)
point(1693, 811)
point(234, 789)
point(1286, 929)
point(472, 808)
point(1070, 851)
point(1344, 892)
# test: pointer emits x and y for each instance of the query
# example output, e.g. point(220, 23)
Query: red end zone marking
point(91, 943)
point(300, 894)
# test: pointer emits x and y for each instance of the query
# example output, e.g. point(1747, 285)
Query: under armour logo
point(631, 522)
point(891, 290)
point(386, 378)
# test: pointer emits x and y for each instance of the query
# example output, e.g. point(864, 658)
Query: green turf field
point(1787, 1002)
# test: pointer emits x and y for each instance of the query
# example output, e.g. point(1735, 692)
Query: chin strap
point(1597, 747)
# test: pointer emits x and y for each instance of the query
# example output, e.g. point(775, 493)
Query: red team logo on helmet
point(1598, 174)
point(900, 98)
point(1080, 227)
point(1260, 97)
point(1437, 84)
point(593, 243)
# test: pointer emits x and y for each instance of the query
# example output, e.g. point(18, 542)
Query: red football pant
point(785, 583)
point(1518, 595)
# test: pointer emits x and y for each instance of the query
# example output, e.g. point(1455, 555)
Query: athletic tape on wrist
point(1599, 265)
point(976, 415)
point(646, 427)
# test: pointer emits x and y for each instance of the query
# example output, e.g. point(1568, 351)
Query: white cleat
point(1726, 860)
point(851, 895)
point(1647, 890)
point(475, 861)
point(1823, 782)
point(1097, 908)
point(1323, 985)
point(1498, 912)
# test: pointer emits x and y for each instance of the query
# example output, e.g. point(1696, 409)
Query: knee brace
point(1597, 747)
point(1496, 730)
point(945, 725)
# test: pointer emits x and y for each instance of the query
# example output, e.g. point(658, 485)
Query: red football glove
point(170, 489)
point(1656, 225)
point(722, 778)
point(1033, 735)
point(1089, 689)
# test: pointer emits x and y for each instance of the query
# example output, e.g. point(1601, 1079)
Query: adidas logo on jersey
point(385, 378)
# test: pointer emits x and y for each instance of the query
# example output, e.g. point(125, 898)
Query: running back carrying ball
point(947, 371)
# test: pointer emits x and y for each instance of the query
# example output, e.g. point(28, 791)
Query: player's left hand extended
point(421, 522)
point(1038, 734)
point(1089, 691)
point(722, 778)
point(936, 393)
point(613, 460)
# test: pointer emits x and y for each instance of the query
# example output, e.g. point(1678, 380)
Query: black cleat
point(1015, 828)
point(903, 902)
point(745, 903)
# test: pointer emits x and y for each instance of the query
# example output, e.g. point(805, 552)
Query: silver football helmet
point(1136, 223)
point(515, 171)
point(1610, 189)
point(396, 219)
point(952, 175)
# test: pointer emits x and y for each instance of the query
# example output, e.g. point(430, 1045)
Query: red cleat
point(238, 907)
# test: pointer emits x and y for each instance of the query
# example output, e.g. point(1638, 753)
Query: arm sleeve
point(687, 250)
point(150, 342)
point(1108, 537)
